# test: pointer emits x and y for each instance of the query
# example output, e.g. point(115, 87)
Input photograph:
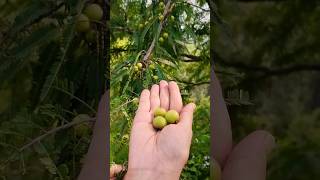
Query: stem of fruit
point(165, 14)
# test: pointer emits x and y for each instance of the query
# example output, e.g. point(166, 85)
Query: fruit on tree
point(94, 12)
point(139, 65)
point(172, 116)
point(172, 18)
point(83, 128)
point(155, 77)
point(91, 36)
point(141, 26)
point(152, 66)
point(161, 17)
point(161, 39)
point(136, 68)
point(135, 100)
point(159, 112)
point(125, 137)
point(165, 35)
point(82, 23)
point(147, 22)
point(159, 122)
point(161, 4)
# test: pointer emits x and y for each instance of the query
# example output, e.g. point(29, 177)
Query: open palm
point(248, 159)
point(164, 152)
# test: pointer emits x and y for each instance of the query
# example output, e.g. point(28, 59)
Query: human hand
point(159, 154)
point(248, 159)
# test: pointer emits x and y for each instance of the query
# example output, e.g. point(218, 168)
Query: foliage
point(48, 78)
point(178, 36)
point(269, 64)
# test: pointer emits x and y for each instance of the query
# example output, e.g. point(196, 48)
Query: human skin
point(161, 154)
point(248, 159)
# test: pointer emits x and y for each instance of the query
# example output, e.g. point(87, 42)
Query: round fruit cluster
point(163, 117)
point(91, 13)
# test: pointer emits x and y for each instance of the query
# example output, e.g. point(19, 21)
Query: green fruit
point(161, 39)
point(147, 22)
point(165, 35)
point(136, 68)
point(172, 18)
point(135, 100)
point(83, 128)
point(94, 12)
point(82, 23)
point(172, 116)
point(161, 4)
point(125, 137)
point(139, 65)
point(141, 26)
point(91, 36)
point(159, 122)
point(152, 66)
point(155, 77)
point(161, 17)
point(159, 112)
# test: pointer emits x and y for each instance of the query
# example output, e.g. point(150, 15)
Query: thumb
point(186, 116)
point(248, 160)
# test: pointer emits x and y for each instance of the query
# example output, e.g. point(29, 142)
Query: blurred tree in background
point(153, 41)
point(267, 56)
point(52, 76)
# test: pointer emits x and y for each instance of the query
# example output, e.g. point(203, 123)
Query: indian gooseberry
point(161, 4)
point(159, 122)
point(81, 129)
point(159, 112)
point(141, 26)
point(161, 17)
point(152, 66)
point(172, 18)
point(82, 23)
point(135, 100)
point(161, 39)
point(165, 35)
point(139, 65)
point(172, 116)
point(155, 77)
point(94, 12)
point(136, 68)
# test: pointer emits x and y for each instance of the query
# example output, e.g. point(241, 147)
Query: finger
point(154, 97)
point(144, 102)
point(175, 97)
point(115, 169)
point(164, 95)
point(248, 160)
point(186, 116)
point(221, 126)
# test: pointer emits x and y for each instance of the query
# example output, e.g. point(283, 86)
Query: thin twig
point(52, 131)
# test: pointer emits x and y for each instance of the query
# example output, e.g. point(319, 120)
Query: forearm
point(96, 163)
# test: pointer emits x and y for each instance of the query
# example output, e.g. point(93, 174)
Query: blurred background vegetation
point(52, 76)
point(181, 53)
point(267, 56)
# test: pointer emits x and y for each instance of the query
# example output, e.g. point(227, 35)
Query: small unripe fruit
point(139, 65)
point(165, 35)
point(136, 68)
point(172, 18)
point(141, 26)
point(152, 66)
point(125, 137)
point(94, 12)
point(161, 4)
point(82, 23)
point(155, 77)
point(91, 36)
point(81, 129)
point(161, 39)
point(172, 116)
point(159, 122)
point(161, 17)
point(135, 100)
point(147, 22)
point(159, 112)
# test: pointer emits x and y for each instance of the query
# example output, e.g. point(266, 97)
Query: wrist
point(155, 174)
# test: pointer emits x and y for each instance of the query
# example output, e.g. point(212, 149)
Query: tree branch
point(52, 131)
